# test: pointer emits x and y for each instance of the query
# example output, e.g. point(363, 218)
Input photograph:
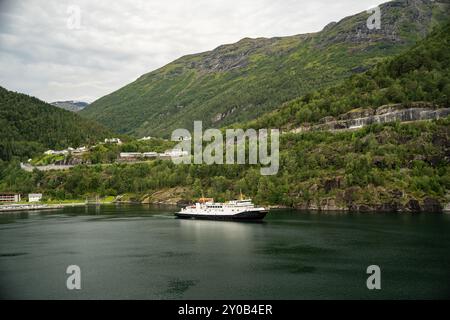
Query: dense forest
point(29, 126)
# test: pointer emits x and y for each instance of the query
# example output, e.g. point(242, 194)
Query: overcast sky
point(45, 52)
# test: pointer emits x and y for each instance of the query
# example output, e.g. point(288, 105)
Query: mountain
point(70, 105)
point(244, 80)
point(418, 78)
point(29, 125)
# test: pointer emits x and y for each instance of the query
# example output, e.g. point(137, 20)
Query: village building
point(145, 138)
point(9, 197)
point(113, 140)
point(34, 197)
point(130, 155)
point(53, 152)
point(150, 154)
point(137, 155)
point(174, 153)
point(79, 150)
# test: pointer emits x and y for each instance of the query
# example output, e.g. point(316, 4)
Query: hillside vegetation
point(241, 81)
point(29, 126)
point(381, 167)
point(420, 74)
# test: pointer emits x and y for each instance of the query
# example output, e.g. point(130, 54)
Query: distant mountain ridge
point(241, 81)
point(70, 105)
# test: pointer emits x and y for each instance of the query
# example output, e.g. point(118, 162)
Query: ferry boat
point(206, 208)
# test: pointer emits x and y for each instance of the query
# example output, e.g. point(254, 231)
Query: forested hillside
point(241, 81)
point(29, 125)
point(391, 167)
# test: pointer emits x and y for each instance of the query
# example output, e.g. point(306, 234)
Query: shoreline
point(27, 207)
point(16, 207)
point(37, 206)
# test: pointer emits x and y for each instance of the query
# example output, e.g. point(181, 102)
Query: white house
point(34, 197)
point(113, 140)
point(53, 152)
point(145, 138)
point(80, 150)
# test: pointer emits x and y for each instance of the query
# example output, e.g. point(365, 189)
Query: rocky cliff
point(361, 117)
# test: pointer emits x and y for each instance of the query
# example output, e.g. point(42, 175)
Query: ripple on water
point(12, 254)
point(176, 287)
point(293, 250)
point(292, 268)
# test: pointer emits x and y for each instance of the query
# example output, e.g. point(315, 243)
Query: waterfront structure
point(34, 197)
point(27, 207)
point(9, 197)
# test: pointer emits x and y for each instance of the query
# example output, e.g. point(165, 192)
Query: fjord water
point(140, 252)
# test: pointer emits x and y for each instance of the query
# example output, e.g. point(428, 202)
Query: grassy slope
point(246, 79)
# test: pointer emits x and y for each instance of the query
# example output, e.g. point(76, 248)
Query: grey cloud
point(120, 40)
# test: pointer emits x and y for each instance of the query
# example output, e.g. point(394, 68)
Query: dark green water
point(137, 252)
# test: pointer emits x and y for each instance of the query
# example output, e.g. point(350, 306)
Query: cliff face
point(396, 17)
point(362, 117)
point(397, 203)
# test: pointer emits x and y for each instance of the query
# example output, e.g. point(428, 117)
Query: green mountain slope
point(29, 125)
point(420, 74)
point(241, 81)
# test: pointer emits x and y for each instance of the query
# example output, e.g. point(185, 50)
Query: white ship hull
point(245, 215)
point(233, 210)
